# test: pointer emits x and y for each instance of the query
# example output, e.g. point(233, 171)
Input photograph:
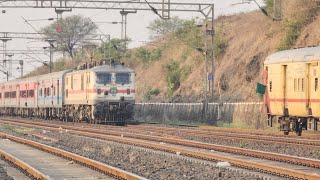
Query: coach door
point(58, 91)
point(285, 93)
point(87, 82)
point(18, 94)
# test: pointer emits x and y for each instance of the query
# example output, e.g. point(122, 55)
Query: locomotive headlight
point(99, 107)
point(129, 107)
point(113, 108)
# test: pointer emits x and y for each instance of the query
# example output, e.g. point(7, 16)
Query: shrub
point(176, 75)
point(148, 56)
point(269, 6)
point(298, 20)
point(189, 33)
point(155, 92)
point(293, 29)
point(220, 45)
point(148, 92)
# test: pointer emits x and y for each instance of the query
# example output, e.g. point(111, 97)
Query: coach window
point(0, 95)
point(31, 93)
point(13, 94)
point(82, 82)
point(67, 81)
point(66, 93)
point(23, 94)
point(316, 84)
point(40, 93)
point(270, 86)
point(72, 82)
point(302, 84)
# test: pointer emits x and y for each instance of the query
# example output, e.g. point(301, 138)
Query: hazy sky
point(12, 21)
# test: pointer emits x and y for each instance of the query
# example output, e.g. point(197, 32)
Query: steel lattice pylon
point(277, 9)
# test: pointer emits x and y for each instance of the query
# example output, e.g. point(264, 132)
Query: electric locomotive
point(103, 94)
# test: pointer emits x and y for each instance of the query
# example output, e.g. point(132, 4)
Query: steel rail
point(251, 131)
point(113, 171)
point(222, 136)
point(29, 170)
point(119, 137)
point(231, 130)
point(227, 135)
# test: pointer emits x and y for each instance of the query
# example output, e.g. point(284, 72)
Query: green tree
point(69, 31)
point(116, 48)
point(161, 27)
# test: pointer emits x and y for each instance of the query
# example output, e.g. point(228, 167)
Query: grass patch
point(148, 92)
point(8, 127)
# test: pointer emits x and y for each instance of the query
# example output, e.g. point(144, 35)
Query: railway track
point(162, 131)
point(40, 161)
point(277, 164)
point(314, 135)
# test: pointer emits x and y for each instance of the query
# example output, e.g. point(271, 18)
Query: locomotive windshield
point(103, 78)
point(122, 78)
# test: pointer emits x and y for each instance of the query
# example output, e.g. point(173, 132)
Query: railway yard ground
point(170, 152)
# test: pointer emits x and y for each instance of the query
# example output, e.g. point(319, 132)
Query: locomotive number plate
point(113, 91)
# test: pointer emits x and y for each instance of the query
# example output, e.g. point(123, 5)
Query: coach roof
point(115, 68)
point(294, 55)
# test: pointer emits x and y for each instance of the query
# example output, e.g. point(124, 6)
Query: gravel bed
point(3, 172)
point(147, 163)
point(299, 150)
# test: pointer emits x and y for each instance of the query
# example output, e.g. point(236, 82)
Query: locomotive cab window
point(122, 78)
point(103, 78)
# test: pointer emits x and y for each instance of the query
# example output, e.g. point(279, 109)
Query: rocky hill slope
point(250, 38)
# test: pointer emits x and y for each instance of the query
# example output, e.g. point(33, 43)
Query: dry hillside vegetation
point(170, 69)
point(250, 38)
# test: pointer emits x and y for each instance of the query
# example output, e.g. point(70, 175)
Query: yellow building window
point(316, 84)
point(302, 84)
point(299, 85)
point(270, 87)
point(295, 85)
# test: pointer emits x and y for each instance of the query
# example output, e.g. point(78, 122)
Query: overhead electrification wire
point(153, 9)
point(263, 10)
